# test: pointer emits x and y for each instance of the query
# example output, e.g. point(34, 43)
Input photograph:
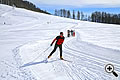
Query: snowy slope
point(25, 35)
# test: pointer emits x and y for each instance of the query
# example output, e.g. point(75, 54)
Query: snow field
point(26, 35)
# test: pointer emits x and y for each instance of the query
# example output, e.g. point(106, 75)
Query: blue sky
point(86, 6)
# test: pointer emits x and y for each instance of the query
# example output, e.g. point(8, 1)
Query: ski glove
point(51, 44)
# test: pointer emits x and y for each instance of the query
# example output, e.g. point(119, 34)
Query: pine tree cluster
point(67, 13)
point(100, 17)
point(103, 17)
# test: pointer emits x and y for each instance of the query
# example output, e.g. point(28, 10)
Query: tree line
point(22, 4)
point(103, 17)
point(100, 17)
point(68, 14)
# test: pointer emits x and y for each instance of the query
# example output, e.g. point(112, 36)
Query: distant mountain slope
point(23, 4)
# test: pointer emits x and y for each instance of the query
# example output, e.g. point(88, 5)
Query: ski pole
point(40, 54)
point(47, 48)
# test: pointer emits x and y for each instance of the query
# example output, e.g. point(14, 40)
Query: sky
point(87, 6)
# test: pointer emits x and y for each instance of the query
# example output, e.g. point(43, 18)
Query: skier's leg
point(60, 47)
point(53, 50)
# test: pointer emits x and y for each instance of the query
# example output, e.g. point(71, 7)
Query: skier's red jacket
point(59, 39)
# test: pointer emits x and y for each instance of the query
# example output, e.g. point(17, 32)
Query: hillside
point(23, 4)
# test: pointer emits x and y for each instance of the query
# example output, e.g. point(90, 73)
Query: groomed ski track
point(88, 60)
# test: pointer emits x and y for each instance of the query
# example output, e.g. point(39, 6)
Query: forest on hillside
point(100, 17)
point(23, 4)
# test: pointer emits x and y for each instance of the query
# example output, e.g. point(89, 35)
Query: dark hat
point(61, 33)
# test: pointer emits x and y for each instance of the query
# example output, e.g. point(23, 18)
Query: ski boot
point(61, 58)
point(49, 57)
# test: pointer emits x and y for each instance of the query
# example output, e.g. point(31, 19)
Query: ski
point(65, 60)
point(47, 61)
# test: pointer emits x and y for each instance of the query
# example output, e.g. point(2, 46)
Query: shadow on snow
point(35, 63)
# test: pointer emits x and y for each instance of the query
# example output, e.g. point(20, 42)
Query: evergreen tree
point(56, 12)
point(73, 14)
point(82, 16)
point(60, 12)
point(64, 13)
point(68, 14)
point(89, 18)
point(78, 15)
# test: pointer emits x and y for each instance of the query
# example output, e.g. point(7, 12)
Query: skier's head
point(61, 33)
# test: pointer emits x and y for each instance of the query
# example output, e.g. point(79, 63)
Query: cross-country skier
point(68, 33)
point(72, 32)
point(59, 41)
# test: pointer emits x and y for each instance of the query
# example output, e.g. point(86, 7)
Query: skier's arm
point(63, 39)
point(53, 41)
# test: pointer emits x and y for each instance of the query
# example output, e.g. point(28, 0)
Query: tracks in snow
point(84, 65)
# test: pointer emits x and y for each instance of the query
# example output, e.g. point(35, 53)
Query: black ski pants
point(55, 47)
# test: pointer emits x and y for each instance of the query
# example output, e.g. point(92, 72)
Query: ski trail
point(89, 62)
point(84, 66)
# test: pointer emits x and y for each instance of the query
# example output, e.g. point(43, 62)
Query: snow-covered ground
point(25, 35)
